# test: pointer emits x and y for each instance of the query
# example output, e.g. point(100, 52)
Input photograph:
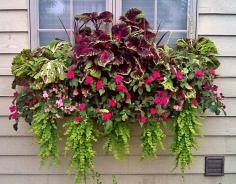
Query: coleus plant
point(113, 77)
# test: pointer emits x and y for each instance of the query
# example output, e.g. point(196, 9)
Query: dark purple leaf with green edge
point(137, 73)
point(94, 71)
point(124, 69)
point(133, 13)
point(105, 16)
point(120, 31)
point(106, 57)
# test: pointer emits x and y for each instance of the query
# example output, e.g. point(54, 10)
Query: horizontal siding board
point(28, 146)
point(13, 42)
point(107, 165)
point(217, 25)
point(217, 6)
point(5, 63)
point(212, 126)
point(13, 21)
point(123, 179)
point(5, 87)
point(227, 67)
point(225, 44)
point(14, 4)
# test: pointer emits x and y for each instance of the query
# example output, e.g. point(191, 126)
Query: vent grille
point(214, 166)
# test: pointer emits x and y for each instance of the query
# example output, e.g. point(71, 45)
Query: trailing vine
point(44, 128)
point(186, 127)
point(117, 141)
point(80, 140)
point(151, 139)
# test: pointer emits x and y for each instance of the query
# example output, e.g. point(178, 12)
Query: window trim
point(114, 6)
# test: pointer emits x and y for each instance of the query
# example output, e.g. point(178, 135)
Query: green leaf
point(101, 91)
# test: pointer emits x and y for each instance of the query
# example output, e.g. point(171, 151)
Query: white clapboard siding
point(217, 25)
point(227, 67)
point(13, 42)
point(13, 4)
point(14, 20)
point(108, 165)
point(5, 87)
point(217, 6)
point(5, 63)
point(122, 179)
point(28, 146)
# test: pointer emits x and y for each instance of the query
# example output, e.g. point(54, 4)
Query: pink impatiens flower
point(15, 94)
point(156, 75)
point(198, 73)
point(148, 80)
point(15, 115)
point(194, 101)
point(121, 88)
point(112, 103)
point(88, 80)
point(179, 75)
point(82, 106)
point(45, 94)
point(143, 119)
point(156, 100)
point(12, 108)
point(164, 115)
point(59, 103)
point(153, 111)
point(70, 74)
point(106, 116)
point(212, 72)
point(118, 79)
point(128, 96)
point(99, 85)
point(78, 118)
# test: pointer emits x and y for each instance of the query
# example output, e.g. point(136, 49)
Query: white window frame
point(114, 6)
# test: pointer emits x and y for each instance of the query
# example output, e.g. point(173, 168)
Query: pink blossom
point(78, 118)
point(59, 103)
point(121, 88)
point(106, 116)
point(198, 73)
point(156, 75)
point(164, 100)
point(128, 96)
point(82, 106)
point(215, 87)
point(206, 86)
point(15, 115)
point(112, 103)
point(70, 74)
point(194, 101)
point(99, 85)
point(45, 94)
point(72, 108)
point(156, 100)
point(47, 110)
point(148, 80)
point(88, 80)
point(143, 119)
point(12, 108)
point(212, 72)
point(118, 79)
point(179, 75)
point(75, 92)
point(57, 116)
point(153, 111)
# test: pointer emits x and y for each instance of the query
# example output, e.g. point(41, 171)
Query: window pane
point(147, 6)
point(46, 37)
point(172, 14)
point(50, 10)
point(86, 6)
point(171, 38)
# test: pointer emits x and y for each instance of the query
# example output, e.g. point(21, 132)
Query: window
point(175, 16)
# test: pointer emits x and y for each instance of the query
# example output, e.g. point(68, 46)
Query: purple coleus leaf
point(106, 57)
point(132, 15)
point(120, 31)
point(105, 16)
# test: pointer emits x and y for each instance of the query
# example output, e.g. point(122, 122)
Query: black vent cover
point(214, 166)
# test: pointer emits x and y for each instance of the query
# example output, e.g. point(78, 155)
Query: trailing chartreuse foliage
point(110, 80)
point(80, 140)
point(186, 127)
point(44, 128)
point(152, 138)
point(117, 140)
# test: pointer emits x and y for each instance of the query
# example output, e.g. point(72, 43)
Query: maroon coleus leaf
point(106, 57)
point(105, 16)
point(120, 31)
point(101, 37)
point(124, 69)
point(86, 17)
point(132, 14)
point(138, 71)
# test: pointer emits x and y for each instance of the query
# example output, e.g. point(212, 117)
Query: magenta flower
point(118, 79)
point(45, 94)
point(156, 75)
point(153, 111)
point(70, 74)
point(212, 72)
point(206, 86)
point(148, 80)
point(194, 101)
point(121, 88)
point(15, 115)
point(198, 73)
point(156, 100)
point(12, 108)
point(88, 80)
point(128, 96)
point(179, 75)
point(106, 116)
point(82, 106)
point(143, 119)
point(164, 116)
point(99, 85)
point(15, 94)
point(78, 118)
point(112, 103)
point(164, 100)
